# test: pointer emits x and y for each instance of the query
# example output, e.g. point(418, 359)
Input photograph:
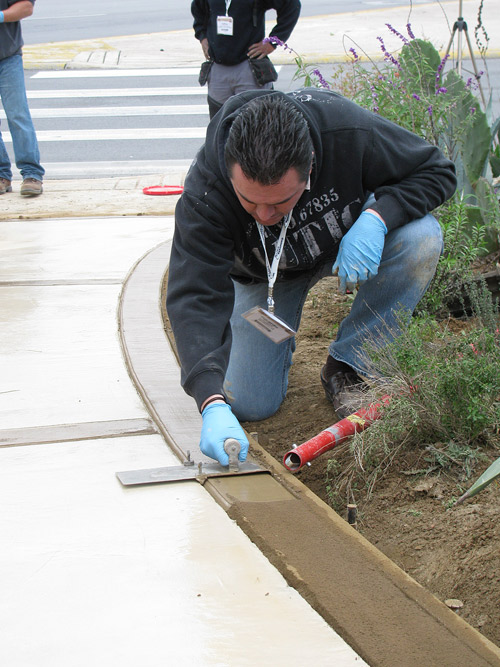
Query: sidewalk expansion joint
point(63, 283)
point(44, 435)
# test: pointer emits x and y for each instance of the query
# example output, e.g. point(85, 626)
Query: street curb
point(100, 197)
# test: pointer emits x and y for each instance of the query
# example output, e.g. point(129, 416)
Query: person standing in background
point(231, 34)
point(15, 102)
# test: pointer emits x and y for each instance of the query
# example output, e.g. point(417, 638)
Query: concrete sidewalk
point(83, 197)
point(94, 573)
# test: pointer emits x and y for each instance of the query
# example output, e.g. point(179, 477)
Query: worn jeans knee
point(408, 264)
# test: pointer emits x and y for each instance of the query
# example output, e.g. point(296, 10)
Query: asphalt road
point(58, 20)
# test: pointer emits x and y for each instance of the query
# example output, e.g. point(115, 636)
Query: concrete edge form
point(385, 616)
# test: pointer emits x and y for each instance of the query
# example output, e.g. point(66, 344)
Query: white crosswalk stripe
point(111, 73)
point(122, 134)
point(81, 112)
point(114, 92)
point(104, 118)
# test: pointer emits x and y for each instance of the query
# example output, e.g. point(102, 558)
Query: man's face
point(267, 203)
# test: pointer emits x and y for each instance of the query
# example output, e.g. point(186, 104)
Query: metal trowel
point(190, 470)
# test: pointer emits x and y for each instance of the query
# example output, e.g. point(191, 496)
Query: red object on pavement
point(332, 436)
point(163, 190)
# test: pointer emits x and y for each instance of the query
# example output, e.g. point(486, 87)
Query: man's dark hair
point(267, 138)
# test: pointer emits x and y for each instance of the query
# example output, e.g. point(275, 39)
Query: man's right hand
point(219, 424)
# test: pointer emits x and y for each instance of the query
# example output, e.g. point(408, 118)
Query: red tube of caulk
point(332, 436)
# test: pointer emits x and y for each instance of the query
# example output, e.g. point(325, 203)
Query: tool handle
point(232, 447)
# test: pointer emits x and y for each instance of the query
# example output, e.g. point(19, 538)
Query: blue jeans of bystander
point(15, 104)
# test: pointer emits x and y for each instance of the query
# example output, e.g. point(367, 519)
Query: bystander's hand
point(204, 46)
point(260, 50)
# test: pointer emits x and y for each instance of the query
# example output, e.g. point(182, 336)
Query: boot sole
point(31, 193)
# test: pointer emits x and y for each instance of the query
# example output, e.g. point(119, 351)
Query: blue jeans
point(257, 376)
point(15, 104)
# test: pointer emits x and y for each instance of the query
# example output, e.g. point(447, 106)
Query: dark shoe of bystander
point(5, 186)
point(31, 187)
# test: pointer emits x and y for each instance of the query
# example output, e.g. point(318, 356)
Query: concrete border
point(387, 617)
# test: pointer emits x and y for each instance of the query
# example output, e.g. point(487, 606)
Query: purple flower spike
point(321, 79)
point(398, 34)
point(277, 42)
point(441, 91)
point(429, 110)
point(440, 69)
point(416, 97)
point(354, 54)
point(388, 56)
point(409, 31)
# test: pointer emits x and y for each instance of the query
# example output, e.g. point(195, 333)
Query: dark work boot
point(345, 389)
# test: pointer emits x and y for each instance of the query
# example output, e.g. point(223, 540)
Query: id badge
point(225, 25)
point(267, 323)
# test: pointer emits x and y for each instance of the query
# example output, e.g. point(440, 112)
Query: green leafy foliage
point(445, 403)
point(465, 239)
point(412, 89)
point(486, 478)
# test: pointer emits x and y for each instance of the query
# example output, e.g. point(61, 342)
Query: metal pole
point(460, 26)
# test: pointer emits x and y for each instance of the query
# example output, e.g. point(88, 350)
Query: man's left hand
point(360, 251)
point(260, 49)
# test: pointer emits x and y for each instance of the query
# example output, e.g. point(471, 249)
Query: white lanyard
point(228, 4)
point(272, 269)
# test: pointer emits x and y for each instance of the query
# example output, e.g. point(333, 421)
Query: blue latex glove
point(360, 251)
point(219, 424)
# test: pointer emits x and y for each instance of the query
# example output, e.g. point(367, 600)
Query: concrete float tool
point(190, 470)
point(332, 436)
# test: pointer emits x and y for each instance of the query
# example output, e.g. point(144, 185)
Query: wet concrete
point(94, 573)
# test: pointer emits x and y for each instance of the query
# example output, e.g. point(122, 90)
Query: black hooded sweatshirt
point(249, 25)
point(356, 152)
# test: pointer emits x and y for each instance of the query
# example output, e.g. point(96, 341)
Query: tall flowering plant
point(412, 88)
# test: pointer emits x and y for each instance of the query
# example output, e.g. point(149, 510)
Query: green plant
point(411, 88)
point(445, 401)
point(464, 240)
point(415, 513)
point(490, 474)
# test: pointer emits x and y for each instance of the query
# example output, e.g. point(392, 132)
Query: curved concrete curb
point(379, 610)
